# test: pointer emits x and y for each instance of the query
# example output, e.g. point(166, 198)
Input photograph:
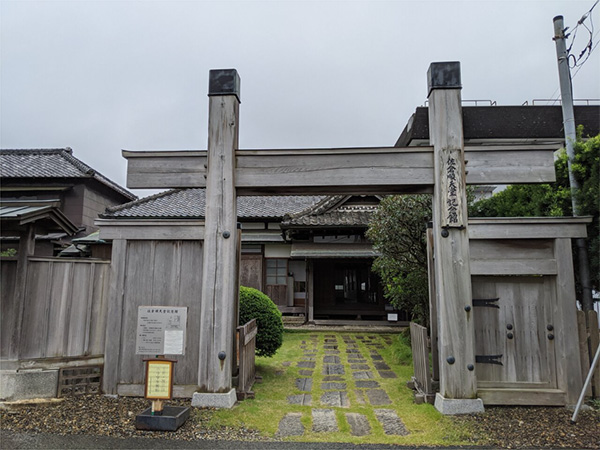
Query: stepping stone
point(359, 424)
point(353, 350)
point(359, 366)
point(360, 397)
point(378, 397)
point(356, 360)
point(333, 369)
point(366, 384)
point(360, 337)
point(381, 366)
point(331, 359)
point(329, 341)
point(330, 346)
point(332, 352)
point(391, 423)
point(305, 372)
point(338, 399)
point(308, 358)
point(286, 363)
point(333, 378)
point(333, 386)
point(387, 374)
point(363, 375)
point(324, 421)
point(301, 399)
point(304, 384)
point(306, 364)
point(290, 425)
point(376, 357)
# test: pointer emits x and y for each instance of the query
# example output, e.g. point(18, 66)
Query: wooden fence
point(246, 353)
point(422, 380)
point(589, 333)
point(63, 311)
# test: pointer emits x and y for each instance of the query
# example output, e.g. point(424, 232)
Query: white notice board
point(161, 330)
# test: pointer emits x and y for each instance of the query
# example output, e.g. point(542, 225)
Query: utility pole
point(566, 94)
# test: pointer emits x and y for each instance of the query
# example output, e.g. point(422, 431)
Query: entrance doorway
point(346, 289)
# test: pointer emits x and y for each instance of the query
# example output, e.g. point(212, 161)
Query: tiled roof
point(191, 203)
point(332, 211)
point(51, 163)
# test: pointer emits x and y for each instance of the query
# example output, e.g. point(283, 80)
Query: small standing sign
point(159, 382)
point(161, 330)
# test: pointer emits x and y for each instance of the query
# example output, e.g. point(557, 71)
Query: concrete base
point(454, 406)
point(171, 419)
point(24, 385)
point(211, 400)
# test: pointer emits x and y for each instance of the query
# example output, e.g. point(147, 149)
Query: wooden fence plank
point(420, 352)
point(247, 349)
point(9, 307)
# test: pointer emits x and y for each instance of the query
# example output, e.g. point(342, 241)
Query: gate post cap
point(224, 82)
point(443, 75)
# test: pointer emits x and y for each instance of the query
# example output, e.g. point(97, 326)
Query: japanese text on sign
point(452, 184)
point(158, 379)
point(161, 330)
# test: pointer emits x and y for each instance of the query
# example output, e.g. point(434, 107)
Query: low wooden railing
point(246, 354)
point(422, 381)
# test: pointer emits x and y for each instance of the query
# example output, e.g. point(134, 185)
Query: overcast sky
point(101, 76)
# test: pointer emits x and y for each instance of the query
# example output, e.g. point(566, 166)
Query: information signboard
point(159, 379)
point(161, 330)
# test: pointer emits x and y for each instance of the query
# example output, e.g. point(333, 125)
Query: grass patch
point(424, 423)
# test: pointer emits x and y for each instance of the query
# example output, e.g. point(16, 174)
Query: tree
point(555, 199)
point(397, 230)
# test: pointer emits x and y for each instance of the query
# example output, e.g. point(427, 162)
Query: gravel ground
point(99, 415)
point(534, 427)
point(505, 427)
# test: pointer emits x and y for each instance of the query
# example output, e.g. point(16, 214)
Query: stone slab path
point(343, 371)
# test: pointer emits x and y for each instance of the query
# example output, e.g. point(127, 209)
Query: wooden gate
point(523, 310)
point(514, 338)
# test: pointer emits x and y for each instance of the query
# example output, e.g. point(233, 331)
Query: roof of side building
point(51, 163)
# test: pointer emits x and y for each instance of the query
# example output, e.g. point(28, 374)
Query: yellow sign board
point(159, 379)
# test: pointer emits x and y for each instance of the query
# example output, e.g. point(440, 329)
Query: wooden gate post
point(218, 303)
point(458, 385)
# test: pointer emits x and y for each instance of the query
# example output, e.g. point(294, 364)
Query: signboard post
point(160, 332)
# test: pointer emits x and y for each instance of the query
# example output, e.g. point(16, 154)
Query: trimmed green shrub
point(256, 305)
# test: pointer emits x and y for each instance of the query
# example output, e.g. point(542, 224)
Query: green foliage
point(9, 252)
point(256, 305)
point(555, 199)
point(401, 349)
point(397, 230)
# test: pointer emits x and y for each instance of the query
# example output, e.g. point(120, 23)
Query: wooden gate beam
point(337, 171)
